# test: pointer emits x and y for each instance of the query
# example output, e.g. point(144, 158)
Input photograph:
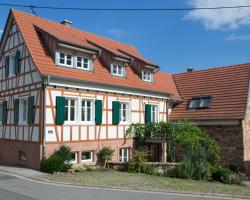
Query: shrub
point(59, 161)
point(81, 169)
point(227, 176)
point(53, 164)
point(184, 170)
point(106, 155)
point(138, 165)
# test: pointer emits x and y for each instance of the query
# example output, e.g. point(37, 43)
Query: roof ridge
point(78, 29)
point(213, 68)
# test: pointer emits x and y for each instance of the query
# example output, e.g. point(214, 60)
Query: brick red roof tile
point(27, 24)
point(228, 87)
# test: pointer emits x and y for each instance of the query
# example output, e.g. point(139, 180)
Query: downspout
point(45, 83)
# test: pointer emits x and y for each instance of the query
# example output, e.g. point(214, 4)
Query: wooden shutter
point(147, 113)
point(17, 62)
point(7, 64)
point(98, 112)
point(5, 113)
point(31, 110)
point(16, 111)
point(116, 105)
point(60, 110)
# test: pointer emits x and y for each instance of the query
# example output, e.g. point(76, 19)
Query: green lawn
point(115, 179)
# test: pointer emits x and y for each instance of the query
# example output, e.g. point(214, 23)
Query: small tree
point(106, 155)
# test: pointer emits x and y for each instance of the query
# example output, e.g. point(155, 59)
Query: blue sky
point(174, 40)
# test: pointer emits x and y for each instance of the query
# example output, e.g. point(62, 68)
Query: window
point(70, 110)
point(118, 70)
point(147, 76)
point(200, 102)
point(1, 112)
point(87, 111)
point(87, 156)
point(65, 59)
point(154, 113)
point(82, 63)
point(73, 157)
point(23, 110)
point(12, 64)
point(124, 155)
point(124, 112)
point(21, 155)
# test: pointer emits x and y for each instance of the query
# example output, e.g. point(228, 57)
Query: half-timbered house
point(60, 85)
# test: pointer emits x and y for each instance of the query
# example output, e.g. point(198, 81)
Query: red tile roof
point(228, 87)
point(163, 82)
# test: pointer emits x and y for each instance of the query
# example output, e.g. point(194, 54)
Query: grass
point(116, 179)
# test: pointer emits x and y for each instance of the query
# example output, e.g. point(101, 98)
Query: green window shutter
point(60, 110)
point(98, 112)
point(147, 113)
point(116, 105)
point(16, 111)
point(17, 62)
point(5, 113)
point(7, 63)
point(31, 110)
point(91, 66)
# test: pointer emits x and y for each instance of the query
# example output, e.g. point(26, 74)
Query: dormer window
point(82, 63)
point(200, 102)
point(147, 76)
point(71, 59)
point(118, 70)
point(65, 59)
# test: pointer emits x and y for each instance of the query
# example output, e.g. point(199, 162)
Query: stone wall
point(230, 139)
point(9, 153)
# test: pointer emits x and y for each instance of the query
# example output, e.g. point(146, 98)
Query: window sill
point(23, 123)
point(124, 123)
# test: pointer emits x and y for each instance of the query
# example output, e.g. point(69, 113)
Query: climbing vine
point(199, 146)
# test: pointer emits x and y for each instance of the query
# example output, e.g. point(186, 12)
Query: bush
point(184, 170)
point(138, 165)
point(81, 169)
point(59, 161)
point(227, 176)
point(106, 155)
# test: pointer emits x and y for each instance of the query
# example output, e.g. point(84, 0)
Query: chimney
point(190, 69)
point(66, 22)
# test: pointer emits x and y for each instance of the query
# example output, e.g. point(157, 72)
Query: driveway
point(13, 187)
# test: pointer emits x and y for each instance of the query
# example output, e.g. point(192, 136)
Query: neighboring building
point(218, 100)
point(60, 85)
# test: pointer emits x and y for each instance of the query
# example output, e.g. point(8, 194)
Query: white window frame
point(88, 160)
point(76, 158)
point(122, 69)
point(65, 58)
point(1, 112)
point(21, 111)
point(76, 110)
point(128, 113)
point(12, 64)
point(145, 77)
point(82, 62)
point(122, 158)
point(92, 120)
point(156, 113)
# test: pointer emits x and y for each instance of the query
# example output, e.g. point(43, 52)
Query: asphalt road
point(17, 188)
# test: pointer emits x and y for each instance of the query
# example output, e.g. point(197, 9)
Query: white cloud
point(220, 19)
point(1, 31)
point(116, 32)
point(238, 37)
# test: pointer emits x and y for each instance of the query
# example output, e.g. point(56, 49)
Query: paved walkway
point(29, 173)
